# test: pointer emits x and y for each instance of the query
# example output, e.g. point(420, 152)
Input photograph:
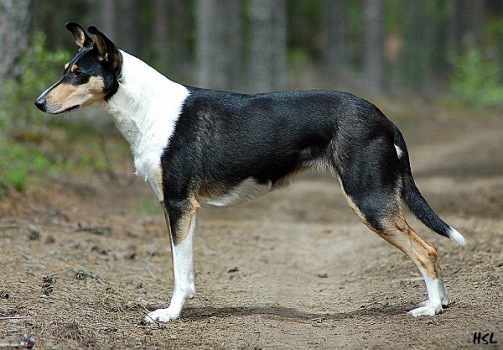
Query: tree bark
point(218, 47)
point(334, 35)
point(128, 26)
point(267, 61)
point(234, 44)
point(374, 43)
point(108, 21)
point(160, 35)
point(14, 35)
point(206, 12)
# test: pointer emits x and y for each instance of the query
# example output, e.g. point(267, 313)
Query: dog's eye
point(76, 70)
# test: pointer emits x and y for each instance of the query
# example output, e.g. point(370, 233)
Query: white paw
point(426, 308)
point(162, 315)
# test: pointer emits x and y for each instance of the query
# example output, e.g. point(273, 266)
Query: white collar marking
point(145, 109)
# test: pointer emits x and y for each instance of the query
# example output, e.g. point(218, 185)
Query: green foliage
point(148, 207)
point(20, 156)
point(18, 163)
point(477, 81)
point(36, 71)
point(493, 32)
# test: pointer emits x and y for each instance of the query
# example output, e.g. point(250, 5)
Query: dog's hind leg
point(181, 222)
point(389, 223)
point(398, 233)
point(371, 182)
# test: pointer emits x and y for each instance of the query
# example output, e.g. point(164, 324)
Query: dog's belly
point(224, 196)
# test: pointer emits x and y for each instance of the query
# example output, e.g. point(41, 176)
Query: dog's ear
point(80, 36)
point(107, 51)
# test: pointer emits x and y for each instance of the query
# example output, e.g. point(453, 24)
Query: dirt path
point(82, 261)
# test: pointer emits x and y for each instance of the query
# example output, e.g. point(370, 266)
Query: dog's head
point(91, 76)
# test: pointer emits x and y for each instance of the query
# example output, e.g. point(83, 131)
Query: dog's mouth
point(69, 109)
point(72, 108)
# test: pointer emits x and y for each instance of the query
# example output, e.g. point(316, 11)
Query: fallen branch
point(8, 226)
point(98, 230)
point(14, 318)
point(26, 342)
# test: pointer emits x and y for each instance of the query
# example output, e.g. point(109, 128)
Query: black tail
point(414, 199)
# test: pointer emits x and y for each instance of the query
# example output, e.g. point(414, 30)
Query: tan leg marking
point(398, 233)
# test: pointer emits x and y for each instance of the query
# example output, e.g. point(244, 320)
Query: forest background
point(419, 52)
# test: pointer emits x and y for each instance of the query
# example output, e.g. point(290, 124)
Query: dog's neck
point(145, 99)
point(145, 109)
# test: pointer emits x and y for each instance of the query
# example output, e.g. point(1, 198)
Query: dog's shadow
point(289, 313)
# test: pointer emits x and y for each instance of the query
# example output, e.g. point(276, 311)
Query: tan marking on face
point(74, 68)
point(65, 96)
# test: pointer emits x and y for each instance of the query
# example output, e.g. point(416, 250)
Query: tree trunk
point(454, 24)
point(279, 49)
point(374, 45)
point(334, 35)
point(14, 34)
point(234, 44)
point(206, 53)
point(160, 37)
point(179, 61)
point(475, 13)
point(108, 22)
point(267, 61)
point(218, 47)
point(128, 27)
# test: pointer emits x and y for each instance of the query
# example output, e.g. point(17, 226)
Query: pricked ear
point(80, 36)
point(107, 50)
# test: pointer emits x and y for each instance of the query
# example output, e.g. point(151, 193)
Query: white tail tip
point(458, 237)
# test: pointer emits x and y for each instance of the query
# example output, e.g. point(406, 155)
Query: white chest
point(147, 161)
point(145, 109)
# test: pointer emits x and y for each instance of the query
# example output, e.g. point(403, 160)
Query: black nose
point(40, 103)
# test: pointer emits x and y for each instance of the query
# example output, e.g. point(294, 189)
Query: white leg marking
point(437, 297)
point(184, 279)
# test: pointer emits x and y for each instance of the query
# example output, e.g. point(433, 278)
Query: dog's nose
point(40, 103)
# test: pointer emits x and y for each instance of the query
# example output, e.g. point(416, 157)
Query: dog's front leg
point(181, 222)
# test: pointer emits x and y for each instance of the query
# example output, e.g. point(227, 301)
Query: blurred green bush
point(22, 126)
point(477, 81)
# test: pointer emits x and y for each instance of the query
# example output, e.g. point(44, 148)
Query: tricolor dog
point(199, 147)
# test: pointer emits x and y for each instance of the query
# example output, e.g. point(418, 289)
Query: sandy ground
point(82, 260)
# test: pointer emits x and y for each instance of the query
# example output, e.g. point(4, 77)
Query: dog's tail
point(414, 199)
